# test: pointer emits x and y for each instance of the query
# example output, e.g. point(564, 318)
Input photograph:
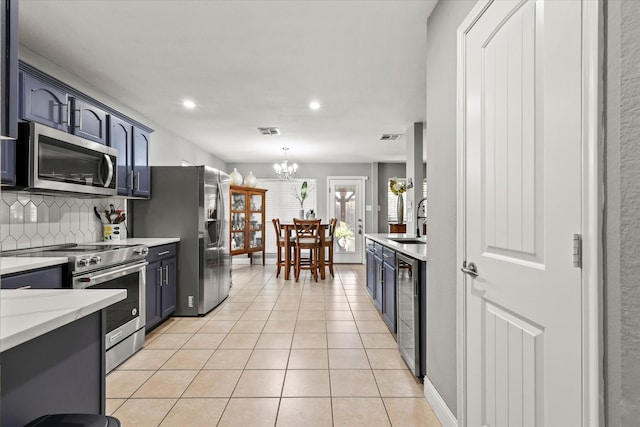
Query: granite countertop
point(29, 313)
point(414, 250)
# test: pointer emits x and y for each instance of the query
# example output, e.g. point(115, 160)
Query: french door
point(346, 204)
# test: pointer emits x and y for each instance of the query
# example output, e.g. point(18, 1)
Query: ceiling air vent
point(269, 131)
point(389, 136)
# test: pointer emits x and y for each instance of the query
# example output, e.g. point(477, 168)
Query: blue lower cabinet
point(168, 303)
point(389, 300)
point(379, 275)
point(382, 282)
point(61, 371)
point(371, 273)
point(48, 278)
point(153, 313)
point(161, 284)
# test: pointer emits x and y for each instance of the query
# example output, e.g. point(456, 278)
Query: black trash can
point(74, 420)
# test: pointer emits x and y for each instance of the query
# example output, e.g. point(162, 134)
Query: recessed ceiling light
point(314, 105)
point(189, 104)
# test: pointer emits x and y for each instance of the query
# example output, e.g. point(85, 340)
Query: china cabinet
point(247, 220)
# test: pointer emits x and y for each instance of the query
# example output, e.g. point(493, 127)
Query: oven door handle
point(94, 279)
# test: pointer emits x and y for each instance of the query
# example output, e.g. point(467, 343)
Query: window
point(280, 203)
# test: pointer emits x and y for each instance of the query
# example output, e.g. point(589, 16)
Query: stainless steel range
point(108, 267)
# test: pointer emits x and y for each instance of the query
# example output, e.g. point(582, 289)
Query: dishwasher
point(411, 328)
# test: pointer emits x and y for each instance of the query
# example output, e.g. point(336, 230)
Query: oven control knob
point(141, 251)
point(83, 262)
point(95, 260)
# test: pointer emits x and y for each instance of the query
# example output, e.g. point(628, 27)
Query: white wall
point(415, 170)
point(165, 149)
point(441, 179)
point(622, 214)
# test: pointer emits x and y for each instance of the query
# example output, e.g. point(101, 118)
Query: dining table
point(289, 231)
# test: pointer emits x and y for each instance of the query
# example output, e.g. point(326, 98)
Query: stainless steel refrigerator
point(192, 203)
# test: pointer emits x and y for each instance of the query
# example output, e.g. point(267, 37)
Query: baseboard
point(440, 408)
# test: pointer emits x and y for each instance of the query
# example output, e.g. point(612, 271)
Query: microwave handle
point(110, 167)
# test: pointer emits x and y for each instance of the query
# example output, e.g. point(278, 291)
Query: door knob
point(471, 269)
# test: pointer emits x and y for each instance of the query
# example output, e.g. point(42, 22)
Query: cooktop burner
point(84, 258)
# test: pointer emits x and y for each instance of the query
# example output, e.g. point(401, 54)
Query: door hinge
point(577, 250)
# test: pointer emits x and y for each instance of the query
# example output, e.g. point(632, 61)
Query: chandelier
point(284, 170)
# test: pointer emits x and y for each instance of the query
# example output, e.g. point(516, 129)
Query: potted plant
point(301, 196)
point(342, 233)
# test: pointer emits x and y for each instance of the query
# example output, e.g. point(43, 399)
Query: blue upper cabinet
point(120, 138)
point(44, 103)
point(46, 100)
point(141, 175)
point(132, 144)
point(9, 69)
point(8, 158)
point(89, 121)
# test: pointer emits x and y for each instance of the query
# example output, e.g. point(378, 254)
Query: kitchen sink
point(408, 240)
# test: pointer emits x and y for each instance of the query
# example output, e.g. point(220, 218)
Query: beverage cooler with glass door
point(411, 309)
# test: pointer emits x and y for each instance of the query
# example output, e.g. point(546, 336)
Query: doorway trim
point(592, 211)
point(363, 203)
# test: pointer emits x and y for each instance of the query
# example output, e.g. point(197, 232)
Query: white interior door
point(346, 204)
point(521, 123)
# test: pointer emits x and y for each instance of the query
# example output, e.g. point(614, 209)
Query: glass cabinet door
point(238, 220)
point(255, 232)
point(238, 201)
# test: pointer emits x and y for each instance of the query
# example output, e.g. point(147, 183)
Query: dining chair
point(328, 245)
point(281, 246)
point(307, 238)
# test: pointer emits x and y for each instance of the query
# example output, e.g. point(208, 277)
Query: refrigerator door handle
point(220, 218)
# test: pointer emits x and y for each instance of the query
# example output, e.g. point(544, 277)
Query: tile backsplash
point(30, 220)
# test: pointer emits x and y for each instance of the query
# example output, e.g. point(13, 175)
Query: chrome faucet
point(418, 217)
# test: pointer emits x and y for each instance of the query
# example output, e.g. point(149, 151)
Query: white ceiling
point(250, 64)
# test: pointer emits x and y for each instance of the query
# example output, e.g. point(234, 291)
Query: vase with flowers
point(301, 195)
point(398, 188)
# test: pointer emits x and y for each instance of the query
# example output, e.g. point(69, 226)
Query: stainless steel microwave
point(50, 160)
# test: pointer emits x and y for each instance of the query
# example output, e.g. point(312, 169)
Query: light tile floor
point(275, 353)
